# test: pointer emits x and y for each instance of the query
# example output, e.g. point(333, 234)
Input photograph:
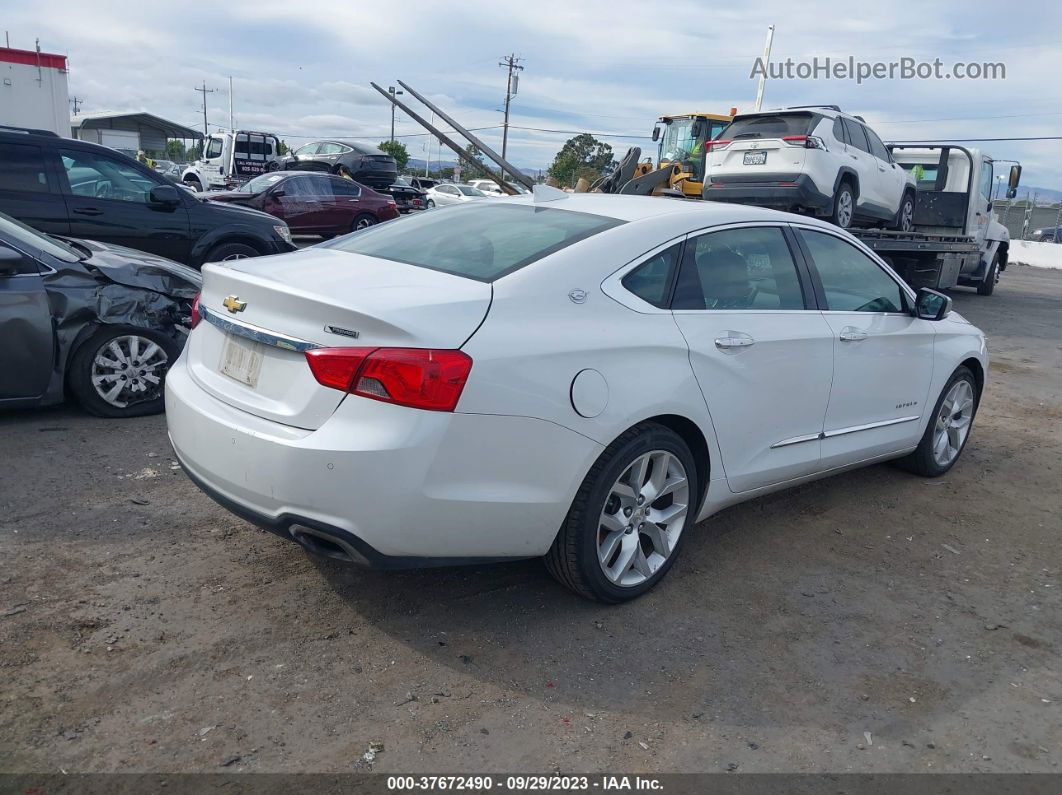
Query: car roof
point(637, 208)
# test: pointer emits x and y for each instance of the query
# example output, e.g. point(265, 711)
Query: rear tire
point(120, 371)
point(363, 221)
point(429, 203)
point(953, 422)
point(589, 553)
point(988, 285)
point(843, 205)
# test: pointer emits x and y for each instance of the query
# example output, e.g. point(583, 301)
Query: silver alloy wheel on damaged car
point(129, 369)
point(642, 518)
point(907, 214)
point(953, 423)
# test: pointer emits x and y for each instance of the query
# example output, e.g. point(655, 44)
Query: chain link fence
point(1022, 218)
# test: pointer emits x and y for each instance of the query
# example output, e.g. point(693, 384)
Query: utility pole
point(391, 90)
point(204, 91)
point(512, 63)
point(77, 102)
point(232, 119)
point(766, 62)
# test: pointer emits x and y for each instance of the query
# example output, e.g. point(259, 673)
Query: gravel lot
point(871, 622)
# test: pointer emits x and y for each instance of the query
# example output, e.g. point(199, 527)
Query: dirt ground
point(875, 621)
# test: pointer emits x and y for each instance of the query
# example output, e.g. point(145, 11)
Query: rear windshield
point(480, 240)
point(774, 125)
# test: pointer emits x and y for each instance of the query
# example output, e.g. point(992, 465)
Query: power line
point(204, 90)
point(512, 62)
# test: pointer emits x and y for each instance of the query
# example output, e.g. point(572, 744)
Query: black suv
point(67, 187)
point(363, 163)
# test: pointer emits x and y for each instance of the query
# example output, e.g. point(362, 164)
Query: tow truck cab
point(231, 158)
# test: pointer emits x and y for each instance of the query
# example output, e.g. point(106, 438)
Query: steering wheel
point(104, 189)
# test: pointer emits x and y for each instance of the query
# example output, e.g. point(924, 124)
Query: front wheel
point(230, 251)
point(120, 371)
point(623, 530)
point(904, 221)
point(988, 284)
point(843, 206)
point(948, 429)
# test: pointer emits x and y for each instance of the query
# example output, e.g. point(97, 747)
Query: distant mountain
point(1043, 195)
point(417, 164)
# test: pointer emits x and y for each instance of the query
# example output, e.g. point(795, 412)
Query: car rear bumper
point(782, 191)
point(380, 484)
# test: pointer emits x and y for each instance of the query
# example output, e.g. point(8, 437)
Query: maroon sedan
point(312, 203)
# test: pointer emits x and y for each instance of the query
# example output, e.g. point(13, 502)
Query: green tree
point(398, 151)
point(282, 147)
point(469, 171)
point(581, 156)
point(175, 151)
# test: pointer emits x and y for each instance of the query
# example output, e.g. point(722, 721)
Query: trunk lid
point(253, 358)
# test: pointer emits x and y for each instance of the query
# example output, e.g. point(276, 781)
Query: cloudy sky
point(302, 69)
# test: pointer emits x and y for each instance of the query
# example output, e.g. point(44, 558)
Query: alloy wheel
point(128, 370)
point(907, 216)
point(642, 518)
point(844, 209)
point(953, 423)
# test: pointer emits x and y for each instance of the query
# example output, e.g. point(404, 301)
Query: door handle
point(734, 341)
point(854, 157)
point(88, 211)
point(852, 334)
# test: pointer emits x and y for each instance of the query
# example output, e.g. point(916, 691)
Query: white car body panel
point(496, 477)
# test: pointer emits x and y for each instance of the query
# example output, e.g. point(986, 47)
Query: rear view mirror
point(931, 305)
point(656, 133)
point(1012, 183)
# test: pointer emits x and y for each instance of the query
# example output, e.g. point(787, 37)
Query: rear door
point(891, 178)
point(865, 166)
point(761, 352)
point(883, 355)
point(27, 353)
point(108, 200)
point(29, 187)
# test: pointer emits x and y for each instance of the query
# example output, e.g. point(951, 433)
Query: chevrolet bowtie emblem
point(234, 304)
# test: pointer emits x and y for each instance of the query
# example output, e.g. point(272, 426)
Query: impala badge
point(234, 304)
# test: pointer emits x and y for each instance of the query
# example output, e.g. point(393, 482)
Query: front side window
point(22, 167)
point(307, 149)
point(651, 281)
point(748, 268)
point(470, 191)
point(100, 177)
point(986, 180)
point(479, 240)
point(214, 147)
point(852, 281)
point(877, 148)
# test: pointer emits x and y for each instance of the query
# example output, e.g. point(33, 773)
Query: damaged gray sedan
point(103, 323)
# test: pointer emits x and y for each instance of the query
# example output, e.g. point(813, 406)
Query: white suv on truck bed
point(810, 159)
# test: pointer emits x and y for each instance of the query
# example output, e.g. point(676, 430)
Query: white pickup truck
point(231, 158)
point(956, 238)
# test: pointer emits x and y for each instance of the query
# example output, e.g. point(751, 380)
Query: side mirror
point(1012, 183)
point(931, 305)
point(990, 206)
point(276, 194)
point(10, 262)
point(696, 129)
point(656, 133)
point(165, 196)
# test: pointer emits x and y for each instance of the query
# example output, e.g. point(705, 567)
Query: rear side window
point(651, 281)
point(749, 269)
point(480, 241)
point(839, 132)
point(345, 187)
point(22, 167)
point(856, 136)
point(774, 125)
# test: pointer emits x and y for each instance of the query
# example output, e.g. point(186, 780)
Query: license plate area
point(755, 158)
point(241, 360)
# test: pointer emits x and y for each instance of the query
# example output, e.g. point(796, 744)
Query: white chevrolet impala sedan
point(581, 377)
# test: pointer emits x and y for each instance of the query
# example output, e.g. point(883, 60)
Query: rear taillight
point(715, 146)
point(195, 311)
point(414, 377)
point(806, 141)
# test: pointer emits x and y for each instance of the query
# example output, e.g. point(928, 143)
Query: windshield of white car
point(470, 191)
point(33, 239)
point(774, 125)
point(478, 240)
point(260, 183)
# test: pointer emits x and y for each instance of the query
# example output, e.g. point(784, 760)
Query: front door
point(883, 355)
point(27, 353)
point(108, 200)
point(762, 354)
point(865, 166)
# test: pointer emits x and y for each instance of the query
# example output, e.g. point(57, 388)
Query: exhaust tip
point(326, 545)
